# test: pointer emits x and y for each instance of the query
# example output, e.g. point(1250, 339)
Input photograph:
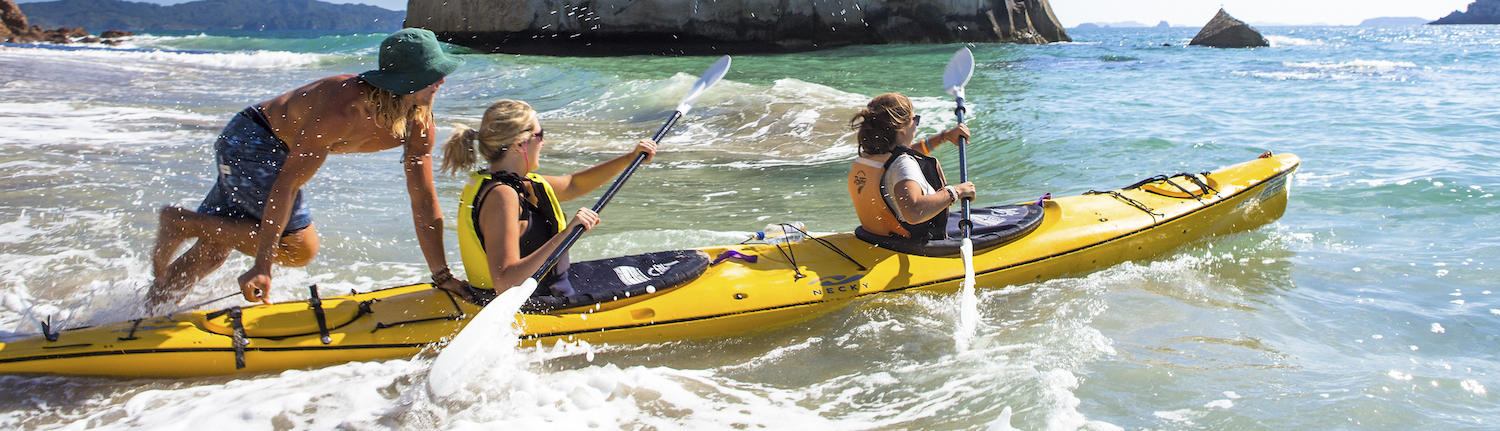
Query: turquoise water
point(1369, 305)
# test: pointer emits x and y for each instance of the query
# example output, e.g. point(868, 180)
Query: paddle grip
point(603, 200)
point(963, 167)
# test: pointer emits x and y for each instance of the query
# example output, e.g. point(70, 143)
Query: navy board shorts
point(249, 158)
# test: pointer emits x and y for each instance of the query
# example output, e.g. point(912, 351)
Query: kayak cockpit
point(624, 277)
point(993, 226)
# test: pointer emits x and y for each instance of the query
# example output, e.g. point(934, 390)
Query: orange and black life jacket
point(873, 199)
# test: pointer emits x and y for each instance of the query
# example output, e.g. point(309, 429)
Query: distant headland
point(1479, 12)
point(1389, 21)
point(213, 15)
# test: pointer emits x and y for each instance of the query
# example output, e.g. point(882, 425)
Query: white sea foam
point(1354, 65)
point(144, 60)
point(1292, 41)
point(51, 123)
point(1283, 76)
point(20, 229)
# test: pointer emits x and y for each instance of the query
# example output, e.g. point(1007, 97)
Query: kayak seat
point(993, 226)
point(604, 280)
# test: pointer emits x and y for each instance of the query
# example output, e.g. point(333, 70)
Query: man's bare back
point(331, 113)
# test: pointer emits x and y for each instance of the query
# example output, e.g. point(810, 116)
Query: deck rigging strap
point(830, 247)
point(200, 304)
point(240, 341)
point(1185, 190)
point(47, 330)
point(316, 304)
point(1135, 203)
point(383, 325)
point(133, 326)
point(1202, 184)
point(792, 258)
point(1148, 180)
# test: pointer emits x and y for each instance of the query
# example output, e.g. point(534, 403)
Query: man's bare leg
point(170, 235)
point(200, 260)
point(217, 237)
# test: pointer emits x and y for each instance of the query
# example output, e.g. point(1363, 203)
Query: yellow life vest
point(471, 247)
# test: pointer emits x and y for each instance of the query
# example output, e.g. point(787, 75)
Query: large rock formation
point(1479, 12)
point(11, 20)
point(626, 27)
point(15, 28)
point(1226, 32)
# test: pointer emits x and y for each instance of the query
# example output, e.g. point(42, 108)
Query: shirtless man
point(270, 150)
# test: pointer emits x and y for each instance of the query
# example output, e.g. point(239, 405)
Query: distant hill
point(1479, 12)
point(213, 15)
point(1388, 21)
point(1125, 24)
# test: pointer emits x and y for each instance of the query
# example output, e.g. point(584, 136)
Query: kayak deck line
point(1074, 234)
point(203, 350)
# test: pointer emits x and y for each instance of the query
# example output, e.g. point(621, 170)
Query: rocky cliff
point(1479, 12)
point(15, 28)
point(626, 27)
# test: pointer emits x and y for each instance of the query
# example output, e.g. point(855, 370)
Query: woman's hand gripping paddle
point(489, 328)
point(960, 69)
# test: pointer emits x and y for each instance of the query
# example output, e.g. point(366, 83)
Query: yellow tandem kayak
point(1074, 234)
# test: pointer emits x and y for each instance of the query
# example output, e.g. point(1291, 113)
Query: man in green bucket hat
point(270, 150)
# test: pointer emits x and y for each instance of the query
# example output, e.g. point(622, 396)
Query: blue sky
point(1197, 12)
point(1182, 12)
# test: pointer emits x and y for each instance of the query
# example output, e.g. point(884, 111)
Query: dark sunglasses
point(916, 119)
point(540, 134)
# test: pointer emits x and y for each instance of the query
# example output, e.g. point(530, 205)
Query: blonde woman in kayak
point(897, 186)
point(509, 218)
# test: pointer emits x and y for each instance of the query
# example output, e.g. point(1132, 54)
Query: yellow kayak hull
point(1077, 234)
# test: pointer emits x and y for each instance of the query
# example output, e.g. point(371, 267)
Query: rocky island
point(1224, 31)
point(688, 27)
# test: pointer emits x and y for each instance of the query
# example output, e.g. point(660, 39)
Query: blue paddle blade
point(710, 76)
point(960, 68)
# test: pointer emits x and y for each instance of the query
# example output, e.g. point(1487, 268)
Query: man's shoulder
point(340, 93)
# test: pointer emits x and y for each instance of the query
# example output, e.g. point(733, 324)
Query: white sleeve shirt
point(904, 168)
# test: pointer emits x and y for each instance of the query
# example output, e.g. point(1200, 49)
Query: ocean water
point(1369, 305)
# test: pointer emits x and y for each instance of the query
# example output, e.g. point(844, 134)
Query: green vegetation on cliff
point(213, 15)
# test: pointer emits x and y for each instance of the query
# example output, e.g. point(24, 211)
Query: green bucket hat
point(411, 60)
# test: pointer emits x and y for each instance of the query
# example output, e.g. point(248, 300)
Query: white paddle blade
point(960, 68)
point(968, 311)
point(480, 343)
point(710, 76)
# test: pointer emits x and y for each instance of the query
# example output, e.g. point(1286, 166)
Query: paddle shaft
point(963, 167)
point(604, 200)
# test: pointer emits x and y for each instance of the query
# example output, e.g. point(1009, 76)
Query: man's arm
point(427, 214)
point(302, 163)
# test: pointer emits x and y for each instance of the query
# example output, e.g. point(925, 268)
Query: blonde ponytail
point(504, 123)
point(458, 153)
